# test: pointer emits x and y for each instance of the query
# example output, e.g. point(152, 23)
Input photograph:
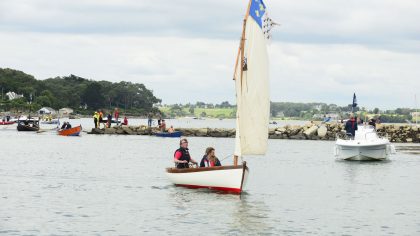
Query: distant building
point(280, 114)
point(317, 107)
point(47, 111)
point(65, 111)
point(13, 95)
point(415, 114)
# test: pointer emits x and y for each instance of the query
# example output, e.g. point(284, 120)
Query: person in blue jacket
point(351, 126)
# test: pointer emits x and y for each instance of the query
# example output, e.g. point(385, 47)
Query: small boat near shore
point(28, 125)
point(75, 131)
point(112, 121)
point(175, 134)
point(50, 122)
point(6, 122)
point(366, 146)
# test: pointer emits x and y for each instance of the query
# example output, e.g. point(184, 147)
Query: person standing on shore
point(101, 115)
point(96, 119)
point(149, 119)
point(109, 120)
point(116, 114)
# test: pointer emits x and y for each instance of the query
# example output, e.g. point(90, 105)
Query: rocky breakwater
point(400, 133)
point(144, 130)
point(310, 131)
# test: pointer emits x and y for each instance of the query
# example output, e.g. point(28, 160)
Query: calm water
point(116, 185)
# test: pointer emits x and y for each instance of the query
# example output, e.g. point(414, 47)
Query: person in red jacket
point(125, 122)
point(182, 156)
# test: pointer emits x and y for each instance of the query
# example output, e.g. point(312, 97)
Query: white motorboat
point(366, 146)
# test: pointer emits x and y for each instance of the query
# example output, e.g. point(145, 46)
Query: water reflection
point(251, 216)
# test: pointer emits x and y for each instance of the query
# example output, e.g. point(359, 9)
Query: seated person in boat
point(125, 122)
point(162, 126)
point(171, 129)
point(182, 155)
point(64, 125)
point(351, 126)
point(210, 159)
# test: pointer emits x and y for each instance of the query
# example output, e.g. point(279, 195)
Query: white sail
point(252, 85)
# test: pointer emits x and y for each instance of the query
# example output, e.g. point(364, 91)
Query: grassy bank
point(199, 112)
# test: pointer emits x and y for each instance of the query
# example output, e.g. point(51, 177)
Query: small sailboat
point(253, 107)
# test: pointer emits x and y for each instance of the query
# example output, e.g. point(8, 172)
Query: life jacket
point(184, 157)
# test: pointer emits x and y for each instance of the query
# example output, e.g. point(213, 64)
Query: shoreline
point(314, 131)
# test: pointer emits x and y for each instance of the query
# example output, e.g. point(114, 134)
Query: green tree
point(92, 96)
point(43, 101)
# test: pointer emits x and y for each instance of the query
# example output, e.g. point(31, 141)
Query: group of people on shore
point(98, 118)
point(182, 157)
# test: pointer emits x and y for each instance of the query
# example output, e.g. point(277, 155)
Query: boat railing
point(371, 132)
point(344, 136)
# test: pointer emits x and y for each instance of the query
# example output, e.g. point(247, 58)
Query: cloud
point(185, 50)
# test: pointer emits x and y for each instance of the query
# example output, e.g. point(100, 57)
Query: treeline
point(309, 111)
point(82, 95)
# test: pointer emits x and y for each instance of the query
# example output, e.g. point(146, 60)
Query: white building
point(13, 95)
point(65, 111)
point(47, 111)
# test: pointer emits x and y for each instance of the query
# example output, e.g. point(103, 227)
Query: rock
point(128, 130)
point(218, 133)
point(311, 131)
point(282, 129)
point(322, 131)
point(298, 136)
point(201, 132)
point(109, 131)
point(97, 131)
point(119, 131)
point(275, 136)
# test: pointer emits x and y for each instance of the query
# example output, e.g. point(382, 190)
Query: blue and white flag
point(258, 12)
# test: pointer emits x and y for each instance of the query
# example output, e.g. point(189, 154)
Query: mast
point(242, 43)
point(417, 110)
point(241, 56)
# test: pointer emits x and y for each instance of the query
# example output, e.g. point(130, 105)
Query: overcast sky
point(184, 50)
